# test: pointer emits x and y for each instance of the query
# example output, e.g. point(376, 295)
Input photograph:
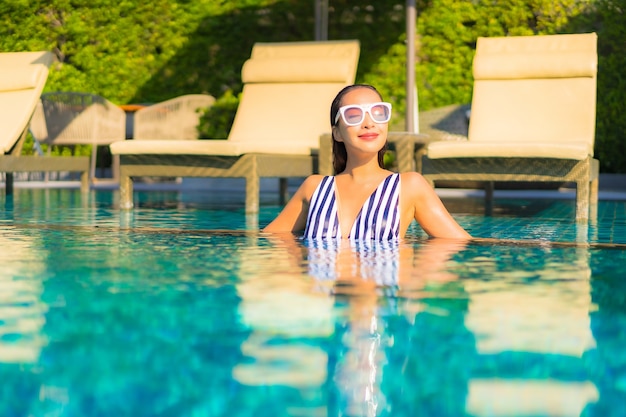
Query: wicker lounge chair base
point(251, 167)
point(583, 173)
point(11, 164)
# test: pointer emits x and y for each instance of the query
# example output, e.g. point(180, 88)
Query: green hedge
point(131, 51)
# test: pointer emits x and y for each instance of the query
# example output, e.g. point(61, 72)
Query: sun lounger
point(532, 117)
point(288, 89)
point(23, 76)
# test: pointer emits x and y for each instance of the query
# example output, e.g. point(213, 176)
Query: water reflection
point(131, 322)
point(607, 362)
point(428, 328)
point(380, 286)
point(321, 316)
point(280, 306)
point(529, 311)
point(22, 312)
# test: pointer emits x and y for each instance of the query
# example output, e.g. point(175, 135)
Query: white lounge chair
point(533, 116)
point(284, 108)
point(23, 76)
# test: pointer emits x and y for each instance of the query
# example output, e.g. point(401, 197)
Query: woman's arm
point(293, 216)
point(428, 210)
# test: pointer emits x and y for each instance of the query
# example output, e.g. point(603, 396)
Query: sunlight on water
point(175, 309)
point(22, 312)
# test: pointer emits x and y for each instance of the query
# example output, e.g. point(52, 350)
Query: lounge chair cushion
point(15, 97)
point(21, 79)
point(523, 57)
point(204, 147)
point(542, 65)
point(466, 149)
point(534, 97)
point(296, 70)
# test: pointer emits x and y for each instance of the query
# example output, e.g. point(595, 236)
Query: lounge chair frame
point(251, 167)
point(288, 88)
point(532, 118)
point(76, 118)
point(176, 118)
point(33, 66)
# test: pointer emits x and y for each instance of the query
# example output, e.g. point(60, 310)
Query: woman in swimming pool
point(363, 200)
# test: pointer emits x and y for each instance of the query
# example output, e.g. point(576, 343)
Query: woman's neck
point(363, 170)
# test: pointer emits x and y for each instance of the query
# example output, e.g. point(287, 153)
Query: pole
point(321, 20)
point(411, 118)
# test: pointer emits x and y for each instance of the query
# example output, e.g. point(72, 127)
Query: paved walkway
point(612, 187)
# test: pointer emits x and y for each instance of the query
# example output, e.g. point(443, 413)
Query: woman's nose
point(367, 120)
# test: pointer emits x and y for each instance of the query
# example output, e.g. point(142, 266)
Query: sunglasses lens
point(353, 115)
point(380, 113)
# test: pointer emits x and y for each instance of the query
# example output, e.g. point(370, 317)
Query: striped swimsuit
point(379, 218)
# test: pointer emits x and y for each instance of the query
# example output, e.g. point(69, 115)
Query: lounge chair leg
point(115, 167)
point(420, 153)
point(284, 194)
point(325, 156)
point(84, 182)
point(594, 172)
point(489, 198)
point(405, 146)
point(94, 156)
point(582, 200)
point(252, 194)
point(593, 201)
point(8, 183)
point(593, 192)
point(126, 192)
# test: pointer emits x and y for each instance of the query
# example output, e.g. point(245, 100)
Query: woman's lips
point(368, 136)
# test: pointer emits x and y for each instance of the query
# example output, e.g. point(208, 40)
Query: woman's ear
point(337, 134)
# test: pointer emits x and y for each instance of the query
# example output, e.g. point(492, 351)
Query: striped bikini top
point(378, 219)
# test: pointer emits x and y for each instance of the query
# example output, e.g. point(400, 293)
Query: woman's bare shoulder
point(414, 187)
point(311, 182)
point(413, 180)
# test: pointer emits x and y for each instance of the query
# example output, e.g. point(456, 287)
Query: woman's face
point(366, 136)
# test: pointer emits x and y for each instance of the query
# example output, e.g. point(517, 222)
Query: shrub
point(216, 121)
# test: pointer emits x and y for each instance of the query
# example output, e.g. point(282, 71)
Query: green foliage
point(610, 146)
point(445, 42)
point(389, 160)
point(144, 52)
point(29, 148)
point(216, 121)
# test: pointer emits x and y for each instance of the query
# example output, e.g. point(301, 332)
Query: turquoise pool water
point(178, 308)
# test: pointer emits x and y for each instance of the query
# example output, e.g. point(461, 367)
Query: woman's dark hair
point(340, 155)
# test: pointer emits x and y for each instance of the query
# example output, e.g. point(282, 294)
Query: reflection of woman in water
point(368, 280)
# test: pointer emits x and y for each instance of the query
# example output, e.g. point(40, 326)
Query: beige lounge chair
point(23, 76)
point(75, 118)
point(284, 107)
point(176, 118)
point(532, 117)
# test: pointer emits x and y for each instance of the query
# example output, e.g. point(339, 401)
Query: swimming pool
point(175, 309)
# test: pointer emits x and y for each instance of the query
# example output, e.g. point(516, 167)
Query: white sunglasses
point(354, 114)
